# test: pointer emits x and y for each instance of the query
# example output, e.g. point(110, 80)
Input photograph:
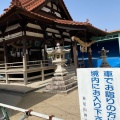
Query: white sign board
point(99, 93)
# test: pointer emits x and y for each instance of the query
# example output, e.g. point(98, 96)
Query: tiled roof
point(41, 16)
point(87, 24)
point(70, 22)
point(24, 4)
point(16, 2)
point(59, 21)
point(28, 5)
point(7, 10)
point(31, 4)
point(114, 31)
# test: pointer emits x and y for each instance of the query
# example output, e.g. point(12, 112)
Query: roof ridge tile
point(16, 2)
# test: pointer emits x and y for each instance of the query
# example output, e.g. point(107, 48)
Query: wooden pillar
point(5, 60)
point(42, 72)
point(27, 54)
point(89, 57)
point(75, 54)
point(44, 41)
point(5, 52)
point(24, 62)
point(45, 53)
point(40, 54)
point(71, 51)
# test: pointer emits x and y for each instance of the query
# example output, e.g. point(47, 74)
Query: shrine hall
point(29, 27)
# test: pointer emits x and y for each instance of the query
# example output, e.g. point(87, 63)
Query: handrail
point(31, 113)
point(2, 64)
point(38, 61)
point(29, 64)
point(15, 63)
point(34, 61)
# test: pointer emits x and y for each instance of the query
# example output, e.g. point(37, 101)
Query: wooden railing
point(2, 66)
point(34, 70)
point(38, 63)
point(41, 63)
point(14, 65)
point(8, 71)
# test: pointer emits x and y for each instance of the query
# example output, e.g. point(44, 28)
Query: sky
point(103, 14)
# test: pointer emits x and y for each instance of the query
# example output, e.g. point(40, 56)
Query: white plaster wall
point(66, 39)
point(45, 9)
point(34, 34)
point(33, 26)
point(15, 35)
point(12, 27)
point(52, 30)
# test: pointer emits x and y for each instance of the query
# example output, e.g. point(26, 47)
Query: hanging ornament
point(83, 49)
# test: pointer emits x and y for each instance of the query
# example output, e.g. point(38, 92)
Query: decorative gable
point(54, 9)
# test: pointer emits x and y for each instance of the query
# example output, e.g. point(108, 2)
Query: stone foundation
point(62, 84)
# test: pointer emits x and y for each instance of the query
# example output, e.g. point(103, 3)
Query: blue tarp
point(96, 62)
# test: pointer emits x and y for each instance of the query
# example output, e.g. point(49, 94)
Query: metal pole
point(5, 114)
point(31, 113)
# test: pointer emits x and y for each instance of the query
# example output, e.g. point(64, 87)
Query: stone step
point(61, 87)
point(69, 90)
point(65, 91)
point(74, 77)
point(65, 87)
point(58, 78)
point(49, 87)
point(65, 82)
point(71, 72)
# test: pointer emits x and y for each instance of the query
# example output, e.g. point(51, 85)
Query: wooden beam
point(70, 27)
point(12, 31)
point(34, 30)
point(19, 16)
point(35, 17)
point(12, 17)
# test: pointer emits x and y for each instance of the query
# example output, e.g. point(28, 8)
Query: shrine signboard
point(99, 93)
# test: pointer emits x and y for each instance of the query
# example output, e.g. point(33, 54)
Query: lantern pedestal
point(62, 82)
point(60, 70)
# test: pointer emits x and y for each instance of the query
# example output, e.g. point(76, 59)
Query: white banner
point(99, 93)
